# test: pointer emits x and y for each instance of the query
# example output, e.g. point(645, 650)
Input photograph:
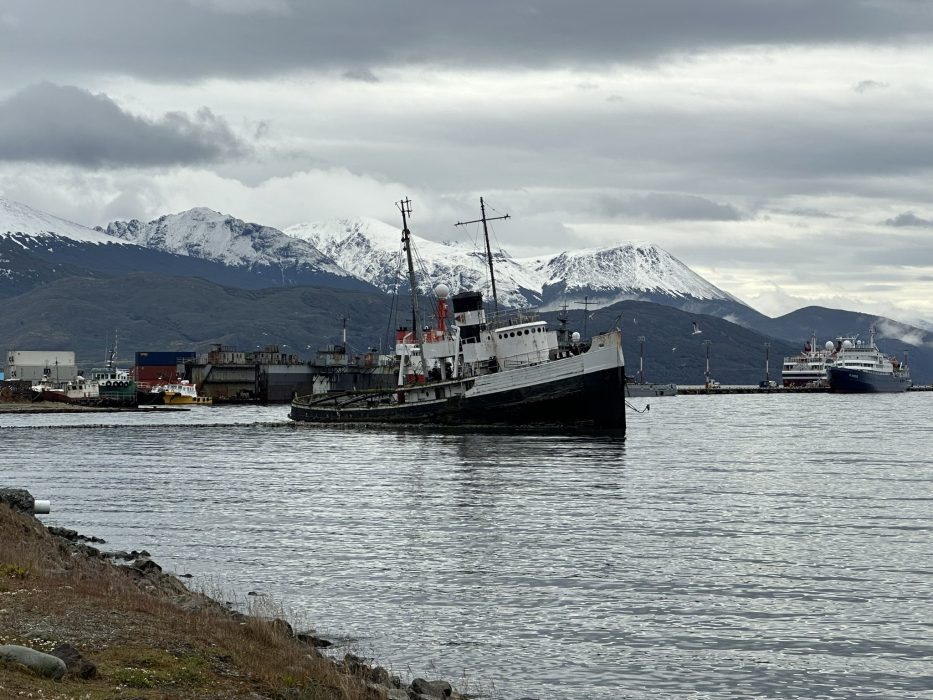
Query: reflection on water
point(737, 546)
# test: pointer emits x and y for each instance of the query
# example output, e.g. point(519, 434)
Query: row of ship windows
point(511, 334)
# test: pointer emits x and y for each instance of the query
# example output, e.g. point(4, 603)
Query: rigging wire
point(423, 268)
point(393, 306)
point(420, 267)
point(479, 248)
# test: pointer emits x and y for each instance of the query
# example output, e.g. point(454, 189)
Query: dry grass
point(149, 637)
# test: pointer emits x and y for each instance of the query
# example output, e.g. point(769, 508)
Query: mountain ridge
point(37, 248)
point(369, 249)
point(204, 233)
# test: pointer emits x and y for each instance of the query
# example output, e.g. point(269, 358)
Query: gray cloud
point(769, 151)
point(863, 250)
point(198, 38)
point(669, 207)
point(864, 86)
point(810, 213)
point(908, 218)
point(362, 75)
point(244, 7)
point(63, 124)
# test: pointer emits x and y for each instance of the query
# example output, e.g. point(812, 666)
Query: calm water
point(732, 547)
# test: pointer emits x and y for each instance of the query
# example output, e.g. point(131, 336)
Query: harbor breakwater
point(79, 620)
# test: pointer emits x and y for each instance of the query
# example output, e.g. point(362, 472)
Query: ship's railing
point(514, 317)
point(523, 360)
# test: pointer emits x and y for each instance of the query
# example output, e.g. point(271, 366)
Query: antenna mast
point(586, 313)
point(484, 219)
point(343, 336)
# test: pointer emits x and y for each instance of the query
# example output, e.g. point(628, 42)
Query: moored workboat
point(181, 393)
point(861, 368)
point(114, 385)
point(649, 389)
point(505, 370)
point(77, 391)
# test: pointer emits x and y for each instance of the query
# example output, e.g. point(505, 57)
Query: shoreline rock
point(40, 663)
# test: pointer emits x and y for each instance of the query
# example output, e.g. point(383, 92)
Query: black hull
point(146, 398)
point(594, 400)
point(856, 381)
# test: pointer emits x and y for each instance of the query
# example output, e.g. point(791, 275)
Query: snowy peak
point(18, 220)
point(335, 233)
point(619, 272)
point(371, 250)
point(210, 235)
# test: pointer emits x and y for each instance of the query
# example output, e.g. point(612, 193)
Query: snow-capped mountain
point(370, 250)
point(37, 248)
point(210, 235)
point(608, 275)
point(21, 221)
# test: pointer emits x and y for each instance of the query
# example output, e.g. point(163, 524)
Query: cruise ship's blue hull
point(860, 381)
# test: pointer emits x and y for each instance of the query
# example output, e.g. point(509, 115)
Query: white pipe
point(42, 507)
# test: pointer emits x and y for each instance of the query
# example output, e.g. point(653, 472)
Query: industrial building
point(271, 376)
point(33, 365)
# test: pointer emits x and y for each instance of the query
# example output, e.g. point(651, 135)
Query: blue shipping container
point(163, 358)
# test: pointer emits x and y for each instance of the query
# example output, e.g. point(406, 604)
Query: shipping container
point(163, 358)
point(158, 374)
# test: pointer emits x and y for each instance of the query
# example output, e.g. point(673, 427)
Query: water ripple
point(733, 547)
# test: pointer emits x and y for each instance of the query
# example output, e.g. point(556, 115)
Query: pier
point(751, 389)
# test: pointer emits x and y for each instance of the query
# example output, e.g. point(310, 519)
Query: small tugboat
point(808, 367)
point(182, 393)
point(861, 368)
point(114, 385)
point(508, 370)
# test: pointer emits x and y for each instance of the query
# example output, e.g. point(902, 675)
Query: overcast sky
point(781, 148)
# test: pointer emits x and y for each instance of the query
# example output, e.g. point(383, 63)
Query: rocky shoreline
point(65, 602)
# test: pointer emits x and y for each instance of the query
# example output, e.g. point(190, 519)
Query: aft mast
point(484, 219)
